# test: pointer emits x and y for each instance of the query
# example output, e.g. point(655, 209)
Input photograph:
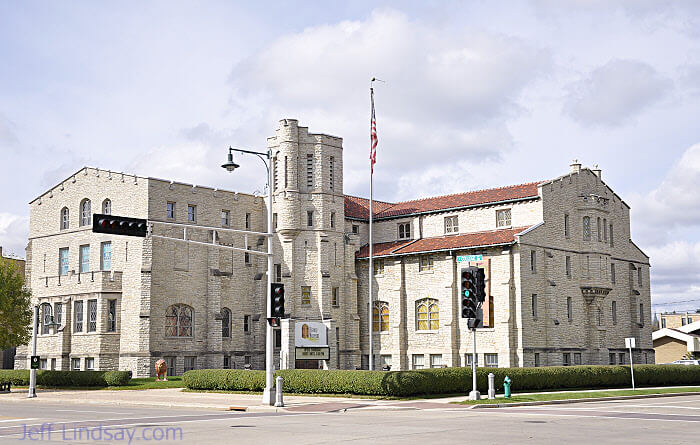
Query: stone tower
point(308, 213)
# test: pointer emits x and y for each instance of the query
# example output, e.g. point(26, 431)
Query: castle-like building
point(565, 282)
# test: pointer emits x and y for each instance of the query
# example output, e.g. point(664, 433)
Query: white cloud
point(7, 132)
point(616, 92)
point(676, 274)
point(14, 231)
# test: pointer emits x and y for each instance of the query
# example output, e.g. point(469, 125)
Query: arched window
point(65, 221)
point(46, 317)
point(428, 314)
point(179, 321)
point(225, 323)
point(85, 213)
point(380, 316)
point(106, 207)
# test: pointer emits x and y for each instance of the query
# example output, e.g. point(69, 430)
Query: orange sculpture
point(161, 369)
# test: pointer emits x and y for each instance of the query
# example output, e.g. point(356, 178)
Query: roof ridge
point(367, 199)
point(466, 193)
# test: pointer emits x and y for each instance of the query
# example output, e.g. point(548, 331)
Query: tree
point(15, 307)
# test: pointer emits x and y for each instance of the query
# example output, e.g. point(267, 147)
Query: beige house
point(675, 320)
point(671, 344)
point(565, 281)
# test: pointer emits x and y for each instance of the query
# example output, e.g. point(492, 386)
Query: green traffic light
point(466, 293)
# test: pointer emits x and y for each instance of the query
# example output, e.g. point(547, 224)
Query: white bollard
point(278, 392)
point(492, 386)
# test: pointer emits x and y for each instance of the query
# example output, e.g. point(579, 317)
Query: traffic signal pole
point(269, 393)
point(32, 372)
point(474, 394)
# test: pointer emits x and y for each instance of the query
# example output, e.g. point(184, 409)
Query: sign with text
point(34, 362)
point(310, 334)
point(630, 342)
point(312, 353)
point(469, 258)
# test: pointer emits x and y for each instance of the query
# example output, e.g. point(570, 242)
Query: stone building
point(566, 283)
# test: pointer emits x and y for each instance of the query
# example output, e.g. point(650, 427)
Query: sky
point(475, 95)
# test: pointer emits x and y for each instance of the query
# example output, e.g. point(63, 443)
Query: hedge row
point(443, 380)
point(58, 379)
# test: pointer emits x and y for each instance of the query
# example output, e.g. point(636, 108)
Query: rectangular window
point(331, 172)
point(355, 229)
point(332, 220)
point(611, 358)
point(621, 358)
point(378, 267)
point(246, 256)
point(63, 261)
point(92, 316)
point(491, 360)
point(426, 263)
point(111, 315)
point(612, 272)
point(577, 358)
point(246, 323)
point(305, 295)
point(334, 296)
point(385, 362)
point(690, 320)
point(568, 266)
point(85, 258)
point(274, 221)
point(598, 231)
point(468, 359)
point(247, 360)
point(309, 170)
point(78, 315)
point(639, 276)
point(53, 364)
point(567, 359)
point(172, 365)
point(106, 255)
point(452, 224)
point(278, 339)
point(682, 321)
point(191, 213)
point(75, 364)
point(247, 221)
point(586, 228)
point(641, 313)
point(503, 218)
point(537, 359)
point(567, 231)
point(605, 230)
point(170, 210)
point(309, 218)
point(89, 363)
point(58, 313)
point(404, 230)
point(663, 322)
point(436, 360)
point(614, 312)
point(43, 363)
point(569, 309)
point(278, 273)
point(533, 261)
point(612, 243)
point(418, 361)
point(227, 362)
point(534, 305)
point(190, 363)
point(286, 176)
point(225, 218)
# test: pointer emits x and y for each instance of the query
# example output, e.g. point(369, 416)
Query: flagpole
point(371, 263)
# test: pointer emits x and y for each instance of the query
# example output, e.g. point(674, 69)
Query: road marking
point(600, 414)
point(81, 411)
point(16, 419)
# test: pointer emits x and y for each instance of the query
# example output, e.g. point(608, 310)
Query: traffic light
point(468, 292)
point(480, 285)
point(119, 225)
point(277, 300)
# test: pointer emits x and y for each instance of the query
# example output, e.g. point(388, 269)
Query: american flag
point(373, 137)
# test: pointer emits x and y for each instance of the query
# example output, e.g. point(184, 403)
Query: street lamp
point(35, 326)
point(266, 157)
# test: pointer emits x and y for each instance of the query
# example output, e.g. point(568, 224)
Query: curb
point(592, 399)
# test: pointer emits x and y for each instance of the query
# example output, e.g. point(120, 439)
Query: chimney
point(576, 166)
point(596, 171)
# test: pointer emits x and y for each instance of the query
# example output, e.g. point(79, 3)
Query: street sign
point(629, 342)
point(312, 353)
point(468, 258)
point(34, 362)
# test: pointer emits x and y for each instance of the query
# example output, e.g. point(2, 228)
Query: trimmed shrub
point(444, 380)
point(225, 379)
point(59, 379)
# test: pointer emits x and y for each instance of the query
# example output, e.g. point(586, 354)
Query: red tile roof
point(449, 242)
point(359, 207)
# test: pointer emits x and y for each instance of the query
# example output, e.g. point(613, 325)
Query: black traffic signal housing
point(467, 292)
point(480, 285)
point(119, 225)
point(277, 300)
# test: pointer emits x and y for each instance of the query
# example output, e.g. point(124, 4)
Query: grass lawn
point(579, 395)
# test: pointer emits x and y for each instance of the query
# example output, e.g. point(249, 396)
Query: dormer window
point(404, 230)
point(452, 224)
point(503, 218)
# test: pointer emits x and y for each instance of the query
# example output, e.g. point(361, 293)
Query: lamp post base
point(474, 395)
point(269, 397)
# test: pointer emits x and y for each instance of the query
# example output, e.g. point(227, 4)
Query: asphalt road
point(672, 420)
